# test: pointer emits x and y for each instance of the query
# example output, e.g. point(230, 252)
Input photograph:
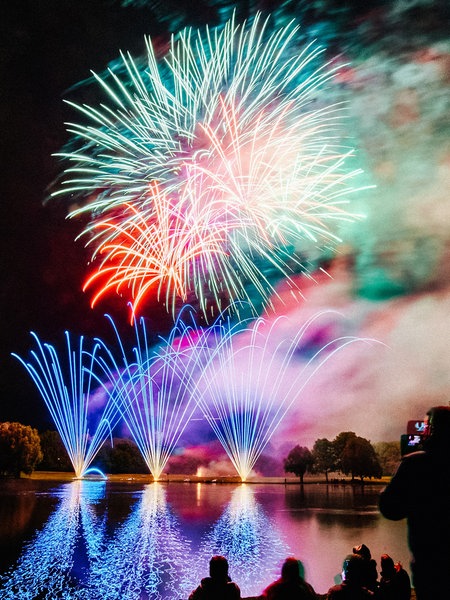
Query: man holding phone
point(420, 492)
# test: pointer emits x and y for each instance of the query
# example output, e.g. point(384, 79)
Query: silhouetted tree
point(359, 459)
point(324, 457)
point(20, 449)
point(55, 457)
point(389, 456)
point(123, 456)
point(339, 443)
point(298, 461)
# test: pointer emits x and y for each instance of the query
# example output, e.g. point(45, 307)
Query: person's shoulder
point(273, 586)
point(205, 584)
point(233, 591)
point(335, 591)
point(197, 594)
point(232, 584)
point(272, 590)
point(308, 590)
point(411, 463)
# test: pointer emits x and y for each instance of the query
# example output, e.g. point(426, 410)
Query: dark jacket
point(289, 590)
point(214, 589)
point(347, 591)
point(420, 492)
point(370, 574)
point(395, 586)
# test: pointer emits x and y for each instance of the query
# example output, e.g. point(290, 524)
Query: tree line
point(348, 454)
point(23, 449)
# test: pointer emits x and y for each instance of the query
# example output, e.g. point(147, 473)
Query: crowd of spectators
point(359, 580)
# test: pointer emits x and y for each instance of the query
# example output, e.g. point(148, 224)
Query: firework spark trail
point(193, 250)
point(153, 387)
point(65, 387)
point(246, 389)
point(229, 131)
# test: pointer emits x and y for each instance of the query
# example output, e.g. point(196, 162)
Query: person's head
point(292, 569)
point(387, 566)
point(438, 425)
point(363, 551)
point(353, 568)
point(218, 567)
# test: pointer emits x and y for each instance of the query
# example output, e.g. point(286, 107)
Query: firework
point(190, 251)
point(253, 379)
point(199, 166)
point(153, 387)
point(66, 388)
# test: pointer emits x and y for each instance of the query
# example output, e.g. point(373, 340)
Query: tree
point(359, 459)
point(20, 449)
point(123, 456)
point(324, 457)
point(339, 443)
point(389, 456)
point(298, 461)
point(55, 457)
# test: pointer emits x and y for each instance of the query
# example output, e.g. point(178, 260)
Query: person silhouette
point(218, 586)
point(394, 581)
point(352, 587)
point(420, 492)
point(291, 585)
point(370, 576)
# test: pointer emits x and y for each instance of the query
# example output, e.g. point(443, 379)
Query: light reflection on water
point(49, 565)
point(137, 542)
point(147, 555)
point(246, 536)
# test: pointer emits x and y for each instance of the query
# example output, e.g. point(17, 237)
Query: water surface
point(110, 540)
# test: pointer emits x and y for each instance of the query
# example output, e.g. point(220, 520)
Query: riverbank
point(172, 478)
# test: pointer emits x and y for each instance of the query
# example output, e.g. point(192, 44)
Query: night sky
point(393, 274)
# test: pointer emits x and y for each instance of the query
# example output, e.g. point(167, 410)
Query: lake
point(125, 540)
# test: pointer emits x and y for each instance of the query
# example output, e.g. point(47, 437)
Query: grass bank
point(172, 478)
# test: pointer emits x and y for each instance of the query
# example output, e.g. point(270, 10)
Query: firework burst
point(199, 166)
point(124, 243)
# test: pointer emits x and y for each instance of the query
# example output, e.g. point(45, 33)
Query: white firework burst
point(229, 132)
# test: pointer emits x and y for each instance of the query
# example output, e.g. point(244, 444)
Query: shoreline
point(229, 479)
